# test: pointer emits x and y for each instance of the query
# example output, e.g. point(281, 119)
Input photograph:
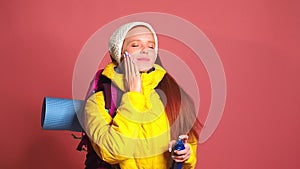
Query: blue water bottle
point(178, 146)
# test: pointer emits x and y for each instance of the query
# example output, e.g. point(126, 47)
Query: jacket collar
point(149, 80)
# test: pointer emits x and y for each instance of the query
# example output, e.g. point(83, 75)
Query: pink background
point(258, 43)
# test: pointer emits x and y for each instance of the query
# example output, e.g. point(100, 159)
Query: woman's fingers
point(182, 155)
point(171, 144)
point(136, 69)
point(132, 69)
point(184, 137)
point(129, 67)
point(184, 151)
point(126, 67)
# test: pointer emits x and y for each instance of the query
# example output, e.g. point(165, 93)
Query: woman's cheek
point(131, 50)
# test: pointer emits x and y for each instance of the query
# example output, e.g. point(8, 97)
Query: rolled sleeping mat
point(60, 114)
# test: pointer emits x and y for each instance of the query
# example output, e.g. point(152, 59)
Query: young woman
point(152, 112)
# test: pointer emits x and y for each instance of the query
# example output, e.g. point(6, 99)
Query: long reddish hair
point(179, 107)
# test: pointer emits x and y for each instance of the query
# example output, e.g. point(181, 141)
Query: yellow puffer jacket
point(138, 136)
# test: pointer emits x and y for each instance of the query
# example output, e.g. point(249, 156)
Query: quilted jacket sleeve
point(122, 137)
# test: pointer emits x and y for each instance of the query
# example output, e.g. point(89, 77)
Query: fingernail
point(173, 157)
point(127, 54)
point(170, 149)
point(124, 55)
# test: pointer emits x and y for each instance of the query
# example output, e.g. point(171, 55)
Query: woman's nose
point(144, 50)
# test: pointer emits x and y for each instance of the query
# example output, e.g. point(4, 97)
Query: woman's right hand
point(132, 79)
point(181, 155)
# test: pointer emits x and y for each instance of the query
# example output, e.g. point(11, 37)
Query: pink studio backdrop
point(257, 42)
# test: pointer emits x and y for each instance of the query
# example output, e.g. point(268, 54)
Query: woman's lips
point(143, 59)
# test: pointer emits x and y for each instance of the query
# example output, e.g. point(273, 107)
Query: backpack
point(112, 97)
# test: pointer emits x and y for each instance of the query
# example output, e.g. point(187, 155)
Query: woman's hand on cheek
point(132, 79)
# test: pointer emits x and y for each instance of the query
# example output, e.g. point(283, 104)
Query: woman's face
point(140, 44)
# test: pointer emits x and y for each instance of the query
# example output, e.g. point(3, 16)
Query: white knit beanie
point(117, 38)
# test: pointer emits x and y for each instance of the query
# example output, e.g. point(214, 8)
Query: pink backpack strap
point(94, 84)
point(114, 100)
point(111, 94)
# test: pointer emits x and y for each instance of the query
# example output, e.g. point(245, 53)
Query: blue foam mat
point(60, 114)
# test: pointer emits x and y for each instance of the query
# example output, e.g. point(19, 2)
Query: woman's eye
point(134, 45)
point(151, 45)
